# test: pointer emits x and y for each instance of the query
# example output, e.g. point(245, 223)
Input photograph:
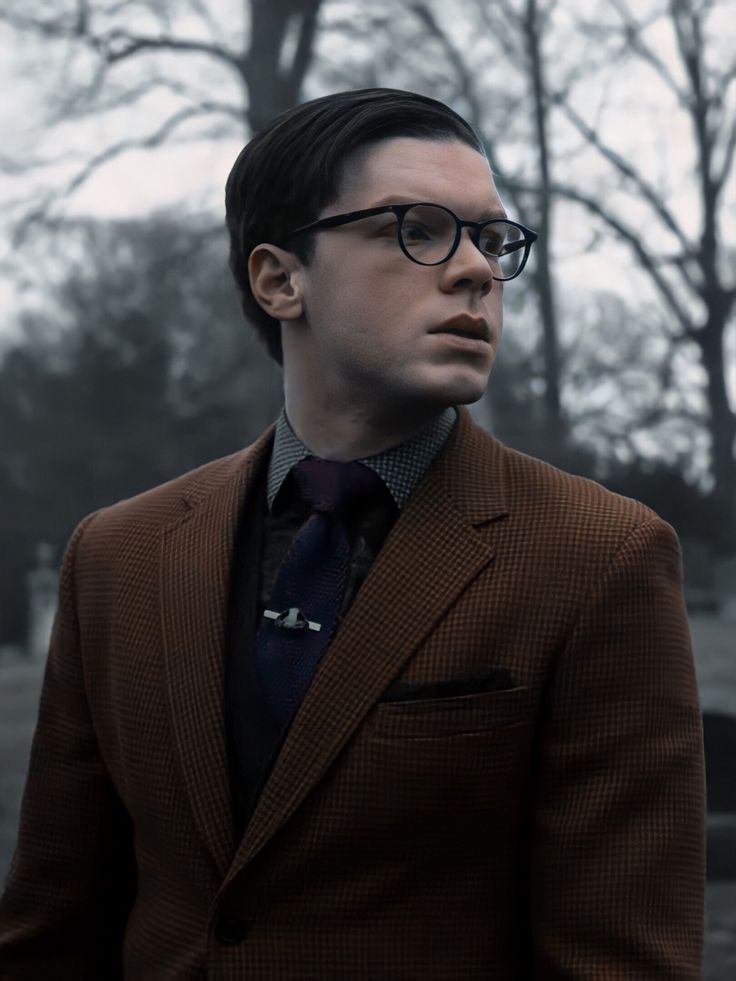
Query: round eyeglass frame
point(400, 210)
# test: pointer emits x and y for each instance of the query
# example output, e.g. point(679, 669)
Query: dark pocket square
point(402, 691)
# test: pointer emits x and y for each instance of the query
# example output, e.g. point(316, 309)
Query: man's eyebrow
point(487, 213)
point(493, 213)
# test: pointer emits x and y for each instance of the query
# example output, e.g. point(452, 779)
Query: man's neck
point(353, 434)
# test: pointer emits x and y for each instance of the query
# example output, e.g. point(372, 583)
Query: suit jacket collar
point(434, 548)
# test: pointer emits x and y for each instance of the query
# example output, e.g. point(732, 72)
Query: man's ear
point(274, 281)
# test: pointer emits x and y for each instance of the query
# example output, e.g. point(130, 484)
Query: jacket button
point(230, 929)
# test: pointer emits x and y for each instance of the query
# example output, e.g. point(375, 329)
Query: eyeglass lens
point(428, 233)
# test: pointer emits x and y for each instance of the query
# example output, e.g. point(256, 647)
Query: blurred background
point(124, 358)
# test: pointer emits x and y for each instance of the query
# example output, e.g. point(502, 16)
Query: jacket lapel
point(196, 552)
point(432, 553)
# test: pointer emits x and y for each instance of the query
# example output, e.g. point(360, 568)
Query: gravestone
point(697, 563)
point(719, 735)
point(42, 584)
point(725, 583)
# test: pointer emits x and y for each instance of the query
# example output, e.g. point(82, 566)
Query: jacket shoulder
point(577, 531)
point(163, 503)
point(564, 499)
point(158, 507)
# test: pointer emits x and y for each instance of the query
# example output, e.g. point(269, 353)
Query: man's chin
point(428, 397)
point(466, 393)
point(470, 400)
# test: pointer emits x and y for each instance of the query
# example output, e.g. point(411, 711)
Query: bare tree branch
point(503, 22)
point(365, 29)
point(646, 420)
point(728, 156)
point(467, 89)
point(118, 45)
point(633, 37)
point(109, 98)
point(723, 81)
point(131, 45)
point(629, 236)
point(304, 47)
point(627, 171)
point(205, 14)
point(154, 139)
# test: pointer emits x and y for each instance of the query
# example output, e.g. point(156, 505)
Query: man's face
point(370, 310)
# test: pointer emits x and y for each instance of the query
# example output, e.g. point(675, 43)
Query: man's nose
point(469, 264)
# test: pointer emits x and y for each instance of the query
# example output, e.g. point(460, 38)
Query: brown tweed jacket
point(539, 815)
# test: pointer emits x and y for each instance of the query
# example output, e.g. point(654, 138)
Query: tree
point(690, 270)
point(121, 54)
point(140, 369)
point(205, 65)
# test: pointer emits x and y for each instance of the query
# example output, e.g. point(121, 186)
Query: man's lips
point(464, 325)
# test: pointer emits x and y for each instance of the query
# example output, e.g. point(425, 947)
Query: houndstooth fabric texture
point(552, 828)
point(401, 467)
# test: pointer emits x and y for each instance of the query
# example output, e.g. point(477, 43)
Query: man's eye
point(494, 244)
point(415, 232)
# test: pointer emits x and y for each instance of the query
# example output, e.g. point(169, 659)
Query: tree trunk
point(273, 86)
point(545, 288)
point(722, 421)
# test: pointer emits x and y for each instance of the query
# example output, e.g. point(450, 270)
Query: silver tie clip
point(291, 619)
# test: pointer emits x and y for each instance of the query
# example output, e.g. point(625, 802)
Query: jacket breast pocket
point(435, 718)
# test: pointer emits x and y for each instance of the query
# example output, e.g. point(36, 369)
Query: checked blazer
point(496, 772)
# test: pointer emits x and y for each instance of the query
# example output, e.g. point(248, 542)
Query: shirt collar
point(401, 467)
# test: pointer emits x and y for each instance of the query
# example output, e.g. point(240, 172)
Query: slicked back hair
point(292, 169)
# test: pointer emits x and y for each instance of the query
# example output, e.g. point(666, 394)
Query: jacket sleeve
point(71, 881)
point(617, 873)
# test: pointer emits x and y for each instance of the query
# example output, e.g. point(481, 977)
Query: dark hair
point(289, 171)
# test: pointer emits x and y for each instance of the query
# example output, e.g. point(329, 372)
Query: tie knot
point(331, 486)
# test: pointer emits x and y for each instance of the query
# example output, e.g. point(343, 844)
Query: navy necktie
point(306, 599)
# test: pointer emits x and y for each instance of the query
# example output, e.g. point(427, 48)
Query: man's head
point(346, 303)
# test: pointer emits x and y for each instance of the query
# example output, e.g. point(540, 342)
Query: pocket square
point(403, 691)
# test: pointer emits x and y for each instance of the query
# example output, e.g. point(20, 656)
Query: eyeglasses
point(429, 235)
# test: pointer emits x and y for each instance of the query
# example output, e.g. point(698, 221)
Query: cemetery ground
point(713, 644)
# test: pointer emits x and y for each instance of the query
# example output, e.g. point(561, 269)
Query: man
point(376, 697)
